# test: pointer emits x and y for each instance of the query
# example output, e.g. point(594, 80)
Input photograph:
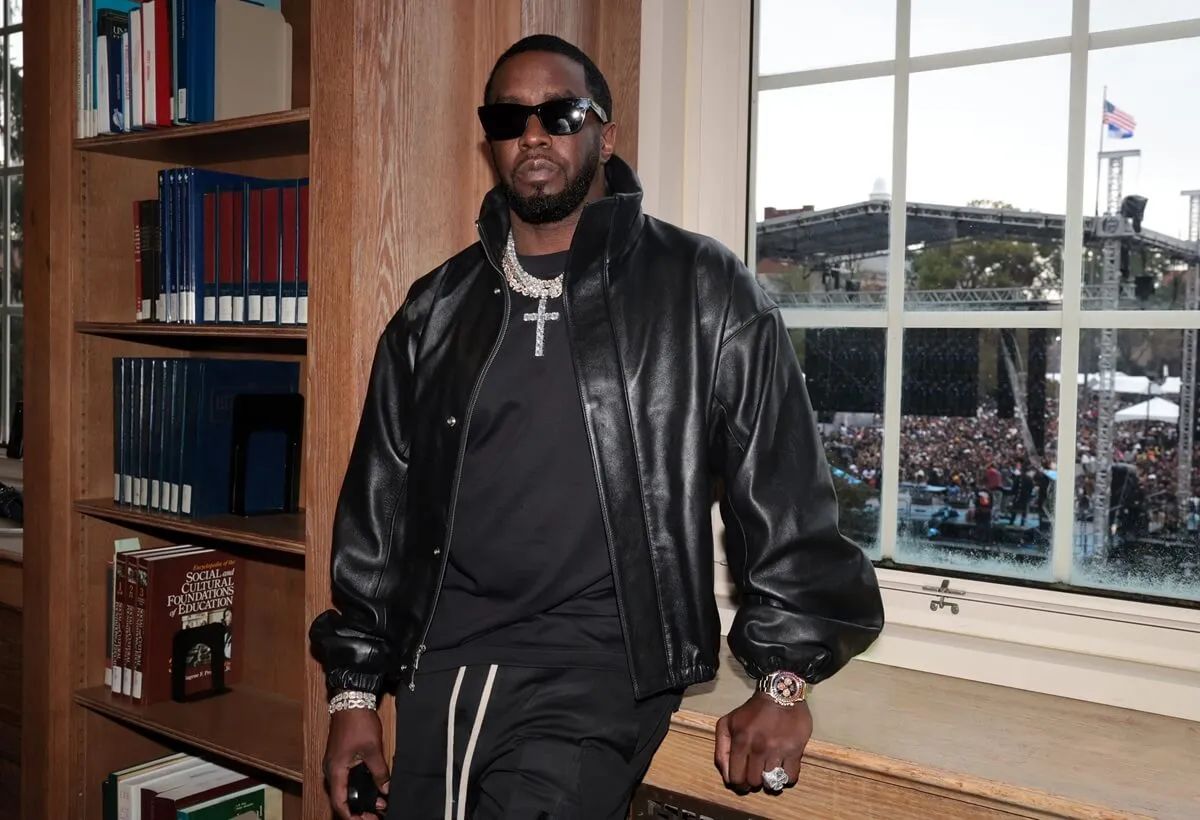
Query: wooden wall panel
point(564, 18)
point(51, 611)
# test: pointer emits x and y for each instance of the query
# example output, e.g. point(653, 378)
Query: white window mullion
point(991, 54)
point(1139, 319)
point(889, 502)
point(983, 319)
point(1140, 35)
point(802, 318)
point(823, 76)
point(1063, 547)
point(752, 144)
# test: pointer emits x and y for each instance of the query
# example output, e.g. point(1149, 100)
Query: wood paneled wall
point(398, 173)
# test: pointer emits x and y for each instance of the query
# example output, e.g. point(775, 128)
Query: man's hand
point(758, 736)
point(354, 735)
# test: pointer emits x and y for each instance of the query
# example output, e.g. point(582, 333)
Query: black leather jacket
point(688, 381)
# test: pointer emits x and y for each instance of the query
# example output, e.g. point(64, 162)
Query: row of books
point(154, 594)
point(186, 787)
point(216, 247)
point(163, 63)
point(174, 435)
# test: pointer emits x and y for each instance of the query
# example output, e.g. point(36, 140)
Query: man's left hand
point(758, 736)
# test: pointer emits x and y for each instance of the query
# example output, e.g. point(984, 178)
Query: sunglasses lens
point(504, 121)
point(563, 117)
point(507, 121)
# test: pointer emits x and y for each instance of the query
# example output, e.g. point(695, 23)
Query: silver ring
point(775, 779)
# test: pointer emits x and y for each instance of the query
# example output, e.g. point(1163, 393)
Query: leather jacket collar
point(608, 227)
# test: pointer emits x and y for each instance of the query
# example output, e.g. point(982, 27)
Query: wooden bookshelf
point(201, 333)
point(382, 124)
point(279, 134)
point(282, 531)
point(218, 725)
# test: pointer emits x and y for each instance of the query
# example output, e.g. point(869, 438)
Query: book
point(216, 247)
point(182, 591)
point(173, 434)
point(185, 785)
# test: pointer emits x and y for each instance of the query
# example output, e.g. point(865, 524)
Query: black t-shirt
point(528, 579)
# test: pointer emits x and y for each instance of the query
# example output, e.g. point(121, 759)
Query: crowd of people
point(964, 454)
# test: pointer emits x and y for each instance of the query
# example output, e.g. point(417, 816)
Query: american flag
point(1120, 124)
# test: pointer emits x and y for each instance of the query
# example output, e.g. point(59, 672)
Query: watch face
point(786, 686)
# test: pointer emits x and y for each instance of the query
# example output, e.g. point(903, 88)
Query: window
point(12, 188)
point(971, 216)
point(931, 169)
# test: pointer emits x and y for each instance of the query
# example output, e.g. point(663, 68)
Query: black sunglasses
point(560, 118)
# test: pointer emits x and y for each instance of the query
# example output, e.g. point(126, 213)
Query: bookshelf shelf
point(283, 532)
point(255, 728)
point(279, 134)
point(202, 337)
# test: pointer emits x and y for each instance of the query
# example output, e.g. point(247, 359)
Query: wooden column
point(50, 570)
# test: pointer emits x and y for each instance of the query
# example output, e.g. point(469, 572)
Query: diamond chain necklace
point(524, 282)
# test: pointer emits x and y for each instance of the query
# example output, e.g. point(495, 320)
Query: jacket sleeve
point(353, 641)
point(810, 599)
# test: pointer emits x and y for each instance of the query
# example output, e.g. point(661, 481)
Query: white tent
point(1155, 409)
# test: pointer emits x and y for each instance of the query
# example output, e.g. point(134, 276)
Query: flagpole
point(1100, 149)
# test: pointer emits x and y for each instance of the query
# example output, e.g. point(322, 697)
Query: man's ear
point(608, 141)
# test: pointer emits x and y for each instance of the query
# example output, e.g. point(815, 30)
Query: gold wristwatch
point(785, 688)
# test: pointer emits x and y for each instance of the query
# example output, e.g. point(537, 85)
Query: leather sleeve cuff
point(348, 680)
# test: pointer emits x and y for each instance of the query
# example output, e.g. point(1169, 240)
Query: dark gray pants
point(533, 744)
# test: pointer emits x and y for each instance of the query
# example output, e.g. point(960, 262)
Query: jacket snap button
point(451, 421)
point(437, 550)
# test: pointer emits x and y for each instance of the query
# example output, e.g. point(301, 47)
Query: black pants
point(525, 743)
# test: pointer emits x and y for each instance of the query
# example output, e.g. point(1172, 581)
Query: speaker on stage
point(844, 368)
point(1035, 387)
point(1005, 400)
point(941, 372)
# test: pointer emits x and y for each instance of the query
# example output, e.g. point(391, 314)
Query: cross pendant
point(541, 317)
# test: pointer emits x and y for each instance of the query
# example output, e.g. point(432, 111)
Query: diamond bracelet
point(351, 700)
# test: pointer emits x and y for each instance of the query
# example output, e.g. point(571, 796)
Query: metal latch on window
point(940, 601)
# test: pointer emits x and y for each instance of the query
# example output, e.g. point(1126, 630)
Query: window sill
point(1099, 677)
point(1124, 654)
point(989, 741)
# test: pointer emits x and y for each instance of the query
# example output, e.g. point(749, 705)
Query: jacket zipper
point(462, 452)
point(612, 555)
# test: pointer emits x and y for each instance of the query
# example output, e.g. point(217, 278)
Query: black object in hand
point(362, 793)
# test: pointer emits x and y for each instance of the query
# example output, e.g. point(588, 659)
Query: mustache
point(535, 158)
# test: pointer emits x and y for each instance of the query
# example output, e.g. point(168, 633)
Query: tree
point(989, 263)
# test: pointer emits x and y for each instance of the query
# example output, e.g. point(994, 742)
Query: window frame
point(8, 310)
point(697, 122)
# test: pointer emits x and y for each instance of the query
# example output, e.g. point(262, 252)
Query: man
point(523, 544)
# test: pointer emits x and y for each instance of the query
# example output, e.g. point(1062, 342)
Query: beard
point(542, 208)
